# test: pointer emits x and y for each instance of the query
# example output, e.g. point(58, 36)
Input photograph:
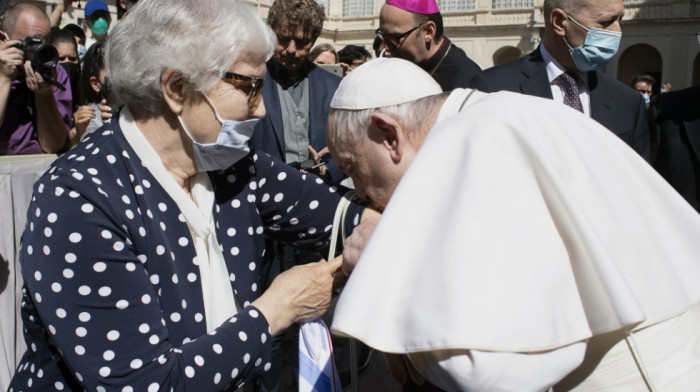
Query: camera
point(43, 57)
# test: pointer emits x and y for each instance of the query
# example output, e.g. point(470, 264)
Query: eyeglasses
point(247, 84)
point(394, 39)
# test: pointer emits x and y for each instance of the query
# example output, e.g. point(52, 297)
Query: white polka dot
point(84, 290)
point(118, 246)
point(253, 313)
point(246, 358)
point(175, 279)
point(56, 287)
point(58, 385)
point(191, 277)
point(30, 250)
point(113, 335)
point(154, 339)
point(254, 287)
point(37, 297)
point(111, 159)
point(198, 317)
point(279, 197)
point(122, 304)
point(217, 348)
point(175, 317)
point(37, 275)
point(217, 378)
point(142, 258)
point(236, 203)
point(251, 231)
point(251, 266)
point(232, 277)
point(267, 366)
point(105, 371)
point(160, 249)
point(87, 208)
point(313, 205)
point(75, 237)
point(130, 266)
point(78, 176)
point(46, 250)
point(52, 217)
point(142, 232)
point(259, 230)
point(70, 258)
point(48, 232)
point(235, 251)
point(282, 176)
point(81, 332)
point(234, 373)
point(99, 266)
point(242, 335)
point(144, 328)
point(108, 355)
point(128, 388)
point(263, 338)
point(155, 279)
point(84, 317)
point(183, 241)
point(136, 364)
point(129, 214)
point(104, 291)
point(163, 207)
point(61, 313)
point(58, 191)
point(154, 387)
point(80, 350)
point(258, 361)
point(189, 371)
point(146, 299)
point(52, 330)
point(199, 360)
point(294, 221)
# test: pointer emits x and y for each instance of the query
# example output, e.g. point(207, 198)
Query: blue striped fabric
point(317, 372)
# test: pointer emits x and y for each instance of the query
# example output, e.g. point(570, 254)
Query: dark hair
point(435, 18)
point(320, 48)
point(59, 36)
point(648, 79)
point(306, 14)
point(76, 30)
point(352, 52)
point(93, 63)
point(377, 46)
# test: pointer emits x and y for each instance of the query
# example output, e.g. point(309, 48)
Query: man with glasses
point(580, 38)
point(297, 97)
point(412, 30)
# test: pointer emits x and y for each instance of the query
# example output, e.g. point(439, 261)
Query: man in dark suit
point(675, 130)
point(580, 38)
point(297, 93)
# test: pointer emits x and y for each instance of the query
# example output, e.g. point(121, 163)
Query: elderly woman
point(143, 243)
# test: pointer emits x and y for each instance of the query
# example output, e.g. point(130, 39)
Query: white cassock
point(523, 242)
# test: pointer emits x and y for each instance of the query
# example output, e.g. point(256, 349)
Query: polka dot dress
point(112, 295)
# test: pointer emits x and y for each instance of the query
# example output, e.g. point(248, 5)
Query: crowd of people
point(528, 226)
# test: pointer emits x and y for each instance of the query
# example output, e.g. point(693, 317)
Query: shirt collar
point(555, 69)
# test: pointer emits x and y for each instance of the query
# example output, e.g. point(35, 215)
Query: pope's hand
point(355, 244)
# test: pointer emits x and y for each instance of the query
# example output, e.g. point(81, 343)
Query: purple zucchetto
point(425, 7)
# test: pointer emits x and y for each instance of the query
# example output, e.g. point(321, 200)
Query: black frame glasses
point(253, 90)
point(395, 39)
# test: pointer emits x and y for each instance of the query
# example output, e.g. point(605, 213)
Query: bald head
point(26, 20)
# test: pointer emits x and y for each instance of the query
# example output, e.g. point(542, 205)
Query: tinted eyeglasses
point(395, 39)
point(247, 84)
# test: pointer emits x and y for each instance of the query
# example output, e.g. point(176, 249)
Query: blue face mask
point(81, 51)
point(230, 147)
point(598, 48)
point(647, 99)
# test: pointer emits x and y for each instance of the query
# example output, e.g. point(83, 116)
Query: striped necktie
point(571, 93)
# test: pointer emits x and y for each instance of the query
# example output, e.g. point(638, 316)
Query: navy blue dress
point(112, 295)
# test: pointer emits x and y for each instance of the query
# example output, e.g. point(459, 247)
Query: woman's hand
point(299, 294)
point(82, 118)
point(106, 111)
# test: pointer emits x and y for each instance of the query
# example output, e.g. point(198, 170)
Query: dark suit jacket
point(675, 130)
point(269, 133)
point(613, 104)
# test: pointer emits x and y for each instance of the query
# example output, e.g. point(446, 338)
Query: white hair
point(350, 126)
point(198, 38)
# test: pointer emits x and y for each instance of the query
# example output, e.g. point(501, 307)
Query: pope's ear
point(389, 133)
point(173, 87)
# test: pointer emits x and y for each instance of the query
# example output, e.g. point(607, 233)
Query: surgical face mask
point(663, 90)
point(81, 51)
point(647, 98)
point(99, 26)
point(230, 147)
point(598, 48)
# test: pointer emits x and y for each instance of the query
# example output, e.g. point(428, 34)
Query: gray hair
point(350, 126)
point(570, 6)
point(199, 39)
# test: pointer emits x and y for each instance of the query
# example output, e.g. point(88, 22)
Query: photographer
point(34, 113)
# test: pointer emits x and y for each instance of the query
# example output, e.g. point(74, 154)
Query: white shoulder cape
point(521, 225)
